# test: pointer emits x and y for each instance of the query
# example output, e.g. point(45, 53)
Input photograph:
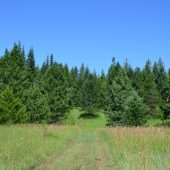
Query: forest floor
point(85, 145)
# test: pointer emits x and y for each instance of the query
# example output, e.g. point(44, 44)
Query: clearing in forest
point(85, 145)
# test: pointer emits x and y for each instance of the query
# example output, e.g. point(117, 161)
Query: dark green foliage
point(128, 69)
point(129, 95)
point(102, 91)
point(166, 110)
point(90, 95)
point(149, 91)
point(31, 67)
point(13, 70)
point(164, 123)
point(160, 78)
point(37, 106)
point(74, 87)
point(55, 88)
point(137, 80)
point(11, 108)
point(51, 60)
point(43, 69)
point(125, 106)
point(135, 111)
point(118, 93)
point(113, 71)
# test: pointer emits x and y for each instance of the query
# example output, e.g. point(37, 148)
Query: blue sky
point(89, 31)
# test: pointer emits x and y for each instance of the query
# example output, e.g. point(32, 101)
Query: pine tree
point(119, 91)
point(81, 80)
point(90, 93)
point(166, 110)
point(43, 69)
point(128, 69)
point(161, 78)
point(135, 110)
point(137, 80)
point(11, 108)
point(165, 106)
point(75, 98)
point(37, 106)
point(74, 72)
point(13, 70)
point(125, 106)
point(82, 71)
point(31, 67)
point(150, 92)
point(47, 62)
point(113, 71)
point(103, 91)
point(51, 60)
point(55, 87)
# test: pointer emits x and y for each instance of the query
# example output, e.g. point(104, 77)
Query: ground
point(88, 151)
point(83, 144)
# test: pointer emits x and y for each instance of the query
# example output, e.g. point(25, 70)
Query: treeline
point(31, 94)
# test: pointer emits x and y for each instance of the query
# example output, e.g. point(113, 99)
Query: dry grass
point(24, 146)
point(88, 145)
point(140, 148)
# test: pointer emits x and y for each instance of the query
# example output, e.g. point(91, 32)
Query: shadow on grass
point(88, 116)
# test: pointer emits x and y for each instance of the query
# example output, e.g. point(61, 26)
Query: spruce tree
point(51, 60)
point(135, 110)
point(55, 87)
point(43, 69)
point(13, 70)
point(11, 108)
point(137, 80)
point(119, 91)
point(31, 67)
point(81, 80)
point(103, 90)
point(75, 89)
point(125, 106)
point(150, 92)
point(113, 71)
point(37, 106)
point(160, 78)
point(90, 93)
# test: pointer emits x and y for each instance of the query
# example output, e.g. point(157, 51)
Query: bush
point(165, 123)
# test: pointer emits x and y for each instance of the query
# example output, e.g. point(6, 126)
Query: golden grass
point(140, 148)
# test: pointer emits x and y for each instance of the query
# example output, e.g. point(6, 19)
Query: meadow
point(140, 148)
point(24, 146)
point(83, 143)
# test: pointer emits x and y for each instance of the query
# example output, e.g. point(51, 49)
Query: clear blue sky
point(89, 31)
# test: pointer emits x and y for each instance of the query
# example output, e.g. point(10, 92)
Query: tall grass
point(23, 147)
point(140, 148)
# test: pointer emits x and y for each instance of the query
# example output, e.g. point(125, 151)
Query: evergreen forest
point(45, 94)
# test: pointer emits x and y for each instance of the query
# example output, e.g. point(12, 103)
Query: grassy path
point(89, 151)
point(88, 145)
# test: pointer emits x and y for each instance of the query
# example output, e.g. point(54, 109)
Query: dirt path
point(87, 152)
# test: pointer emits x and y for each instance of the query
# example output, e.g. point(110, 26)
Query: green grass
point(140, 148)
point(22, 147)
point(93, 123)
point(74, 118)
point(87, 145)
point(153, 122)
